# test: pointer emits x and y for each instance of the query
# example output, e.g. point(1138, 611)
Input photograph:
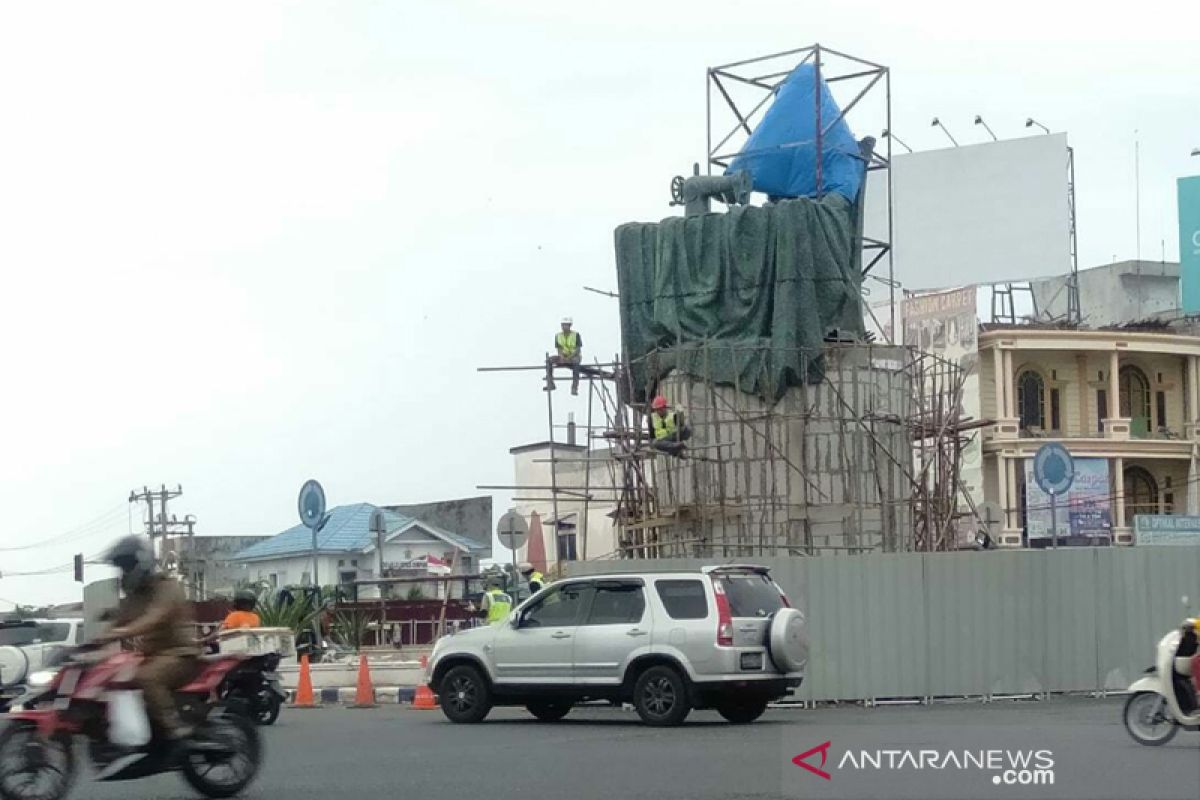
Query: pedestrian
point(568, 352)
point(668, 428)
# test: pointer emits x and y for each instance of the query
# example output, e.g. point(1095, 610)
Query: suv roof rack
point(735, 568)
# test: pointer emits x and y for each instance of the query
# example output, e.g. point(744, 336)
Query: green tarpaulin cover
point(743, 298)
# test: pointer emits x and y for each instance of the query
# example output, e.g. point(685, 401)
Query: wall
point(976, 624)
point(206, 563)
point(531, 467)
point(470, 517)
point(1114, 294)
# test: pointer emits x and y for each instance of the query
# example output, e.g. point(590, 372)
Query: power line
point(101, 523)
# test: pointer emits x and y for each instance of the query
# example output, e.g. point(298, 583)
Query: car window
point(54, 631)
point(683, 599)
point(751, 594)
point(560, 607)
point(617, 604)
point(18, 636)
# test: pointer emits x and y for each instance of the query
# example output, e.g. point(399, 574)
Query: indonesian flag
point(436, 566)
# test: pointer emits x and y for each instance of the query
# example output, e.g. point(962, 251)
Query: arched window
point(1135, 400)
point(1031, 400)
point(1141, 494)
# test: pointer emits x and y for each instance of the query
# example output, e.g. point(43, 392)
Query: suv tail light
point(724, 616)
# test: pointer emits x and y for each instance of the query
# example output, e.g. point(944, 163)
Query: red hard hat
point(658, 402)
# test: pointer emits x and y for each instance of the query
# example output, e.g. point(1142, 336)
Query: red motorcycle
point(37, 757)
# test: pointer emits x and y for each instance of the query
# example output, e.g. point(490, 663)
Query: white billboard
point(974, 214)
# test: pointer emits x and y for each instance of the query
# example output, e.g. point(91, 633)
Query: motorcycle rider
point(243, 614)
point(155, 610)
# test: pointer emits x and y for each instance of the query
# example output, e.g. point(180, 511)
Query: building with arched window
point(1124, 402)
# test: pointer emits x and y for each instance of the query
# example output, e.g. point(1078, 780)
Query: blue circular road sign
point(311, 504)
point(1053, 468)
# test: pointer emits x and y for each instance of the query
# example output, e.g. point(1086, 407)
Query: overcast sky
point(246, 244)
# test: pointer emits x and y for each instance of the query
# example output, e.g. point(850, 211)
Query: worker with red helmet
point(667, 427)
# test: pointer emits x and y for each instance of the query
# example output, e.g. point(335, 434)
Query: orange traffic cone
point(424, 700)
point(304, 690)
point(364, 694)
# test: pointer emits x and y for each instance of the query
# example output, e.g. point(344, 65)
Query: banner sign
point(1084, 512)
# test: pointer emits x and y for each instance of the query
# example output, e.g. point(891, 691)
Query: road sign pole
point(1054, 518)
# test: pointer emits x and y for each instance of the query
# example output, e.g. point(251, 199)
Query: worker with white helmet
point(535, 579)
point(568, 352)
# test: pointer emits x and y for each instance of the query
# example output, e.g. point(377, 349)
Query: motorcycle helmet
point(245, 600)
point(133, 556)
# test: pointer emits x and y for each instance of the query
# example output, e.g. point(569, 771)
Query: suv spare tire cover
point(13, 665)
point(788, 639)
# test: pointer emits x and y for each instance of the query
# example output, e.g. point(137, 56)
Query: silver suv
point(719, 637)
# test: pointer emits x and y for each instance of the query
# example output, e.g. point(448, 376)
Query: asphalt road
point(396, 752)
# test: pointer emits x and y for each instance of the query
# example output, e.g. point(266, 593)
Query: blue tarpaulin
point(781, 153)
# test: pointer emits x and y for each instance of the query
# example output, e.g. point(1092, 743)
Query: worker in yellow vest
point(535, 579)
point(568, 352)
point(667, 427)
point(495, 604)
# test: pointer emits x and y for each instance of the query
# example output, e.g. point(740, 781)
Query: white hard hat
point(525, 566)
point(567, 321)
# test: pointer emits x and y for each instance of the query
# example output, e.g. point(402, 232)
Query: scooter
point(257, 688)
point(87, 697)
point(1164, 699)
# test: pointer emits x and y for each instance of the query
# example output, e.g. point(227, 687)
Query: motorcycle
point(1164, 699)
point(86, 697)
point(256, 688)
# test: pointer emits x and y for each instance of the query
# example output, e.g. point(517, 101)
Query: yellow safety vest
point(499, 607)
point(567, 343)
point(538, 578)
point(664, 427)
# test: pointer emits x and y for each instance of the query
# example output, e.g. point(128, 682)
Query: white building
point(572, 534)
point(347, 551)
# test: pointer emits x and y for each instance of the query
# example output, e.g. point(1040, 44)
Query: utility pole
point(163, 495)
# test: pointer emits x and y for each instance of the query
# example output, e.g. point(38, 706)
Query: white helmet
point(567, 321)
point(524, 567)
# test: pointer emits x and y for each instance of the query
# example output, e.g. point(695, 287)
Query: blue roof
point(347, 531)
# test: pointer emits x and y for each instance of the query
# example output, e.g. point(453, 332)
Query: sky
point(247, 244)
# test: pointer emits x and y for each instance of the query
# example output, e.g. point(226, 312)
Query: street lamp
point(979, 121)
point(1030, 122)
point(889, 135)
point(937, 123)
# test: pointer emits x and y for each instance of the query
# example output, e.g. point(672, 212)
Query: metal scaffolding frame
point(762, 76)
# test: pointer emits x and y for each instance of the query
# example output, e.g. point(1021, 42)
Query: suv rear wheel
point(547, 711)
point(740, 712)
point(660, 697)
point(465, 695)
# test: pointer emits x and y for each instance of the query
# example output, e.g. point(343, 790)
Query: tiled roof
point(347, 531)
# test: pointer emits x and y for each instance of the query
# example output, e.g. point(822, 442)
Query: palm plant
point(277, 612)
point(350, 628)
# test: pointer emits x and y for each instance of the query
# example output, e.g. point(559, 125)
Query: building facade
point(572, 529)
point(348, 551)
point(1123, 402)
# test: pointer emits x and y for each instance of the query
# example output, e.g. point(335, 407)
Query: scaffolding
point(866, 459)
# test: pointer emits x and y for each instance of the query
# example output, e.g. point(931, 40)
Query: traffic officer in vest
point(568, 352)
point(495, 604)
point(668, 428)
point(535, 579)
